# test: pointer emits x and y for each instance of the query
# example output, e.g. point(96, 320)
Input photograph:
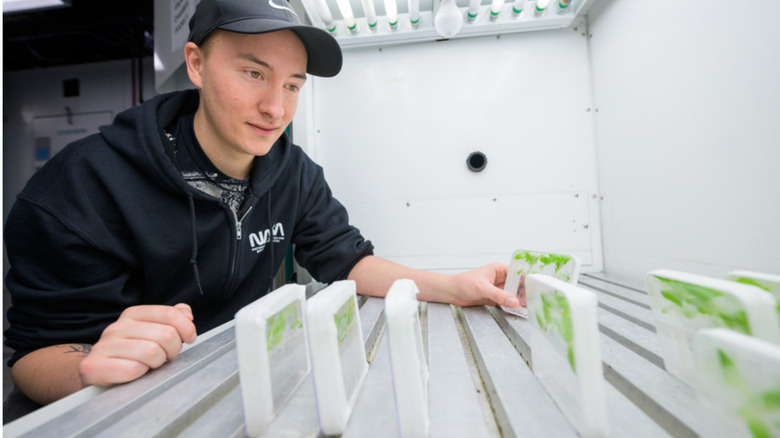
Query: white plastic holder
point(567, 355)
point(407, 358)
point(338, 354)
point(737, 384)
point(525, 262)
point(273, 357)
point(685, 303)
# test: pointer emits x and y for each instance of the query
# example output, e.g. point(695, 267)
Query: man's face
point(249, 92)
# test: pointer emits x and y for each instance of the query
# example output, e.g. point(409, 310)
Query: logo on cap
point(275, 6)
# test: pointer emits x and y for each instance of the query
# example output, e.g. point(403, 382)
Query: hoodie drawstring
point(194, 258)
point(271, 244)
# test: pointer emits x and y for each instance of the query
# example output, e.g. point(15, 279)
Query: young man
point(131, 241)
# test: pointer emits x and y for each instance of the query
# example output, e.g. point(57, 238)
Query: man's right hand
point(143, 338)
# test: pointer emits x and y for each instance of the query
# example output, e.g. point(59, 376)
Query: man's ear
point(193, 57)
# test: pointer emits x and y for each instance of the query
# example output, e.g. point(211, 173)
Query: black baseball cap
point(262, 16)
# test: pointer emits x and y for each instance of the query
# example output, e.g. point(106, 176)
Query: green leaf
point(343, 319)
point(736, 321)
point(560, 261)
point(672, 296)
point(275, 332)
point(757, 427)
point(529, 257)
point(556, 318)
point(770, 400)
point(277, 324)
point(571, 358)
point(751, 282)
point(730, 372)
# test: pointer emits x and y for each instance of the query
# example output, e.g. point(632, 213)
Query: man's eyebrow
point(252, 58)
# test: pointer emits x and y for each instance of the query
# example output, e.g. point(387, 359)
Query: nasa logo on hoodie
point(259, 239)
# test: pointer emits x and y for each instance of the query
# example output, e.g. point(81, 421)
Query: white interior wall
point(394, 128)
point(688, 135)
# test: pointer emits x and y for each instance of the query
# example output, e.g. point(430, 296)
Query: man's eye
point(254, 74)
point(293, 88)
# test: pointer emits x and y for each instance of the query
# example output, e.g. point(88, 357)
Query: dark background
point(87, 31)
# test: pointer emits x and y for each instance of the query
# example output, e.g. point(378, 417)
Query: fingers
point(162, 338)
point(179, 317)
point(143, 338)
point(104, 367)
point(501, 272)
point(493, 291)
point(186, 309)
point(503, 298)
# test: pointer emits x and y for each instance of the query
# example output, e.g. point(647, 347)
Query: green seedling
point(343, 319)
point(555, 317)
point(757, 407)
point(278, 323)
point(692, 300)
point(751, 282)
point(546, 259)
point(558, 260)
point(528, 257)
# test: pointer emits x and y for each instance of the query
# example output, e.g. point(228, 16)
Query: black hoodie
point(110, 223)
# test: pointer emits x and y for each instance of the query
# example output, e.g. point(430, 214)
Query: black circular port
point(477, 161)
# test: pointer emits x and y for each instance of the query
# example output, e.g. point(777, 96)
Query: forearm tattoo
point(81, 350)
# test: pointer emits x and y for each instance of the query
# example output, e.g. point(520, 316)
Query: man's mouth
point(264, 129)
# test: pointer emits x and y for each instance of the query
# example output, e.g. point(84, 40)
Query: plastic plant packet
point(338, 354)
point(767, 282)
point(738, 384)
point(273, 357)
point(407, 358)
point(567, 354)
point(684, 303)
point(524, 262)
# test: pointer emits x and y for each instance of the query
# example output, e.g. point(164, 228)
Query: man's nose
point(271, 103)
